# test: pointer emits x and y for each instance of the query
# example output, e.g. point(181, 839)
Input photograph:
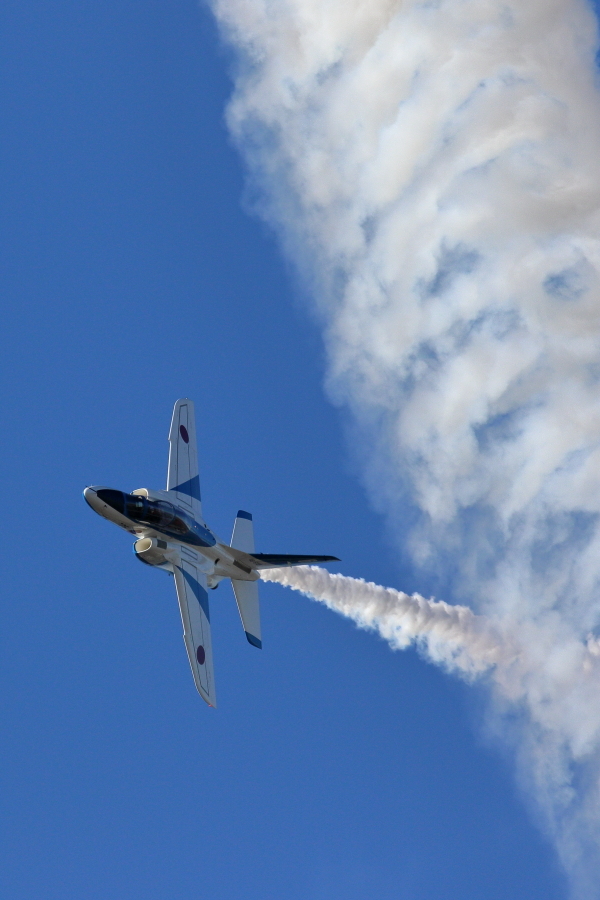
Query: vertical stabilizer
point(246, 592)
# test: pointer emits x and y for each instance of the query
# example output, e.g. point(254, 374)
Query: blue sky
point(333, 769)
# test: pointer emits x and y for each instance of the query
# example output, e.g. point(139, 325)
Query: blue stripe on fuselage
point(193, 538)
point(190, 537)
point(199, 592)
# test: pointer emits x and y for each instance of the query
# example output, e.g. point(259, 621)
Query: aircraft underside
point(172, 535)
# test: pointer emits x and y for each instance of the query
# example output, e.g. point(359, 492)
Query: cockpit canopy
point(158, 514)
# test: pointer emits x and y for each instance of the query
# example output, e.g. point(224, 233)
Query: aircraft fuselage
point(160, 525)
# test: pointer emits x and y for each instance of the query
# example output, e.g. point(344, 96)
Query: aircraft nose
point(99, 498)
point(89, 495)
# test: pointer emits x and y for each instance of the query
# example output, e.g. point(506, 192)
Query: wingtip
point(256, 642)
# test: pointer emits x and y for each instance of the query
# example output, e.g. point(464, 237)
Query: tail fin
point(246, 592)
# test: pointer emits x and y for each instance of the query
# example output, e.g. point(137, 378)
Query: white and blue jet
point(172, 535)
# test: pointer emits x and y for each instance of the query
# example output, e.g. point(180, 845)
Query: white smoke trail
point(450, 635)
point(434, 169)
point(473, 646)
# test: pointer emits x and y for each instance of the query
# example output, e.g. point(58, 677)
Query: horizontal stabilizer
point(243, 532)
point(246, 595)
point(274, 560)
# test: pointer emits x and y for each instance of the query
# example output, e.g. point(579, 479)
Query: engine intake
point(151, 551)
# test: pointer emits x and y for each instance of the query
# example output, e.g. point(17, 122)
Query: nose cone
point(90, 495)
point(104, 500)
point(92, 498)
point(99, 498)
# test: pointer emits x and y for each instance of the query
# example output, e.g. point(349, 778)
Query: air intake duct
point(151, 551)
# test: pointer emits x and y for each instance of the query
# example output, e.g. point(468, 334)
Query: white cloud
point(434, 168)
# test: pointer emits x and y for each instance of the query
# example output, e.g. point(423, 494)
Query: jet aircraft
point(172, 535)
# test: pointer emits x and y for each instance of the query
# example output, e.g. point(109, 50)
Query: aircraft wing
point(193, 605)
point(183, 474)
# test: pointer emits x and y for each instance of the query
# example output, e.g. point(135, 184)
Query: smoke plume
point(473, 646)
point(433, 169)
point(452, 636)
